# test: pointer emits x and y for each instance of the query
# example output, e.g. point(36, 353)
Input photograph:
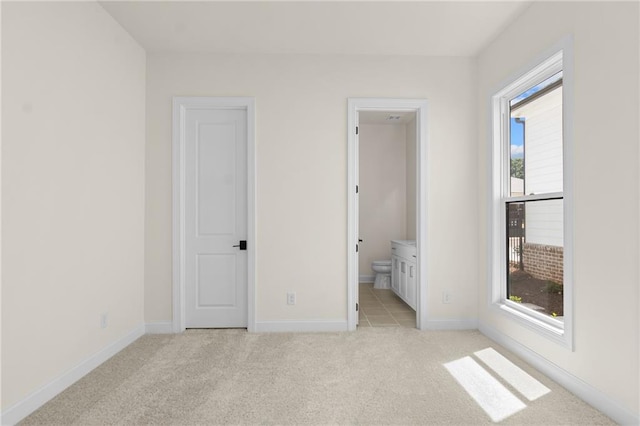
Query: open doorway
point(388, 203)
point(387, 262)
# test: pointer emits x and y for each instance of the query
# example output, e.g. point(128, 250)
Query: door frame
point(180, 107)
point(419, 106)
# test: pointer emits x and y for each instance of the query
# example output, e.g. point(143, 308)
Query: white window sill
point(550, 328)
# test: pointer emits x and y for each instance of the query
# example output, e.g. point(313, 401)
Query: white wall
point(383, 192)
point(606, 175)
point(412, 145)
point(72, 189)
point(1, 217)
point(301, 108)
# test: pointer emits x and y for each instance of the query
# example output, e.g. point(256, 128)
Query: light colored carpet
point(372, 376)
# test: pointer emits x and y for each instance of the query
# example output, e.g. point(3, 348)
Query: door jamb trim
point(355, 105)
point(180, 106)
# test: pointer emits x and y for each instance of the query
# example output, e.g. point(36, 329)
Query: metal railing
point(515, 234)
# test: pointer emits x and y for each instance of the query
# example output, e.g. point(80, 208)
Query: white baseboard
point(575, 385)
point(366, 278)
point(455, 324)
point(301, 326)
point(38, 398)
point(160, 327)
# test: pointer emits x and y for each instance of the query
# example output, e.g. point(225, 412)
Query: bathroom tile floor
point(382, 308)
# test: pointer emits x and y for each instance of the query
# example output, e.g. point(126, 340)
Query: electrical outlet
point(104, 320)
point(291, 298)
point(446, 296)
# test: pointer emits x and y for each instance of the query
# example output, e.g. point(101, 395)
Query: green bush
point(553, 287)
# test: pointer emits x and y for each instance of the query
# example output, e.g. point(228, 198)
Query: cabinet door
point(403, 279)
point(395, 274)
point(411, 285)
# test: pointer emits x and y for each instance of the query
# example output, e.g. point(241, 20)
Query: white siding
point(543, 143)
point(543, 222)
point(543, 166)
point(516, 186)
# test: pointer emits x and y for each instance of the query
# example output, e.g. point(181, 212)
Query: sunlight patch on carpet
point(486, 390)
point(529, 387)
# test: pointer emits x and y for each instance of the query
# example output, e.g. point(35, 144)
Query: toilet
point(382, 268)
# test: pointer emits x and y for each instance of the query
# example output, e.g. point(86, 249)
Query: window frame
point(558, 59)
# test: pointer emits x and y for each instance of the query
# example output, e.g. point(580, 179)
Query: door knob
point(359, 240)
point(242, 245)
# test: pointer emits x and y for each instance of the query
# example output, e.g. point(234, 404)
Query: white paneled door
point(215, 217)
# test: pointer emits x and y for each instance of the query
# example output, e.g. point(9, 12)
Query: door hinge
point(357, 189)
point(356, 130)
point(356, 248)
point(357, 307)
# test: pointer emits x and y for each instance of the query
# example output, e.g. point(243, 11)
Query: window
point(530, 256)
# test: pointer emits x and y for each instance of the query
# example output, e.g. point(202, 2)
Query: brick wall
point(543, 262)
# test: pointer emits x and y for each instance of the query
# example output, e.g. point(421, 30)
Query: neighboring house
point(542, 118)
point(517, 186)
point(541, 114)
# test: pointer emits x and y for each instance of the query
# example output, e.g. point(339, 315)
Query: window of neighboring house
point(529, 256)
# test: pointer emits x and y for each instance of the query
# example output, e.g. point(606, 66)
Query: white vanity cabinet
point(403, 270)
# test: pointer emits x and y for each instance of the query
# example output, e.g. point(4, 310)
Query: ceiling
point(385, 117)
point(434, 28)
